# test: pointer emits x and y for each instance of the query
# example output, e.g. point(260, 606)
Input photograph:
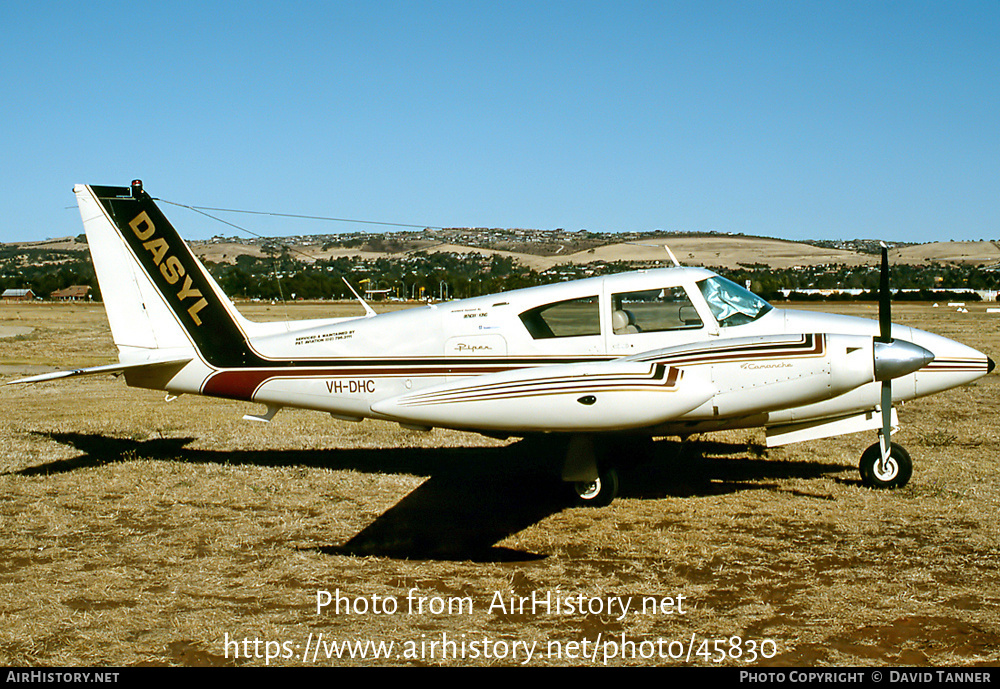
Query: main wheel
point(896, 472)
point(597, 493)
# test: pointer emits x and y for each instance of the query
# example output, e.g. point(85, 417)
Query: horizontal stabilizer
point(107, 368)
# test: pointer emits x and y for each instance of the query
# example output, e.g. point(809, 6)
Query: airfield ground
point(139, 532)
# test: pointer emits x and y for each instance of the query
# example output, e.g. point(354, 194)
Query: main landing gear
point(599, 492)
point(590, 467)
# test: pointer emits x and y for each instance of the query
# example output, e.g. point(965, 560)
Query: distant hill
point(523, 246)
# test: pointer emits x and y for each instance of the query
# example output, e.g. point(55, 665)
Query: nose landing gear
point(894, 472)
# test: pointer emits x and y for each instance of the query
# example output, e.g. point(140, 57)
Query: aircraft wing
point(605, 396)
point(138, 367)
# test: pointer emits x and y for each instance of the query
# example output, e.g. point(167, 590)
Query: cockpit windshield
point(730, 303)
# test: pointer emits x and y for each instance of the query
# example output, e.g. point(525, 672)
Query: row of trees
point(45, 271)
point(451, 275)
point(769, 281)
point(420, 275)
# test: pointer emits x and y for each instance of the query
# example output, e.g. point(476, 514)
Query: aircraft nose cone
point(899, 357)
point(990, 365)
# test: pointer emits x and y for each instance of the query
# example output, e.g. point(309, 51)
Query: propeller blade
point(884, 299)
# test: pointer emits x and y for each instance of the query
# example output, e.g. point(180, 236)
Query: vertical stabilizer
point(157, 294)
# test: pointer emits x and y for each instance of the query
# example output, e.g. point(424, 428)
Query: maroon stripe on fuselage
point(242, 383)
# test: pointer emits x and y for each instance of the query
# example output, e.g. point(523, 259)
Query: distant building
point(72, 293)
point(984, 294)
point(377, 294)
point(18, 295)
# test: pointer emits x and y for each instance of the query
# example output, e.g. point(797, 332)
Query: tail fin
point(157, 294)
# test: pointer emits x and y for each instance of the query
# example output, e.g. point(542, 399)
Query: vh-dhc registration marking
point(354, 386)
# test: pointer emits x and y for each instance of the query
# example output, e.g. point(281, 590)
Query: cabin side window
point(655, 310)
point(570, 318)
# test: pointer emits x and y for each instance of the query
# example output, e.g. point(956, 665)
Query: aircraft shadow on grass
point(474, 496)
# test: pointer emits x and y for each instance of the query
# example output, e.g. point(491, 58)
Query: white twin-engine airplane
point(671, 351)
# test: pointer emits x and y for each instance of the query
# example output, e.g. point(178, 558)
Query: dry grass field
point(137, 532)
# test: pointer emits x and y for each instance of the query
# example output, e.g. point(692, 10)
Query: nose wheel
point(893, 472)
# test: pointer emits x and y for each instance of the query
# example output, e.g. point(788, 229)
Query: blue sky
point(787, 119)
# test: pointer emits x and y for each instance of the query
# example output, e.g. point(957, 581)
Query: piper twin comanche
point(664, 352)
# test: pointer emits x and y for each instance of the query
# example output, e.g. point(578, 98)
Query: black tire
point(896, 475)
point(600, 492)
